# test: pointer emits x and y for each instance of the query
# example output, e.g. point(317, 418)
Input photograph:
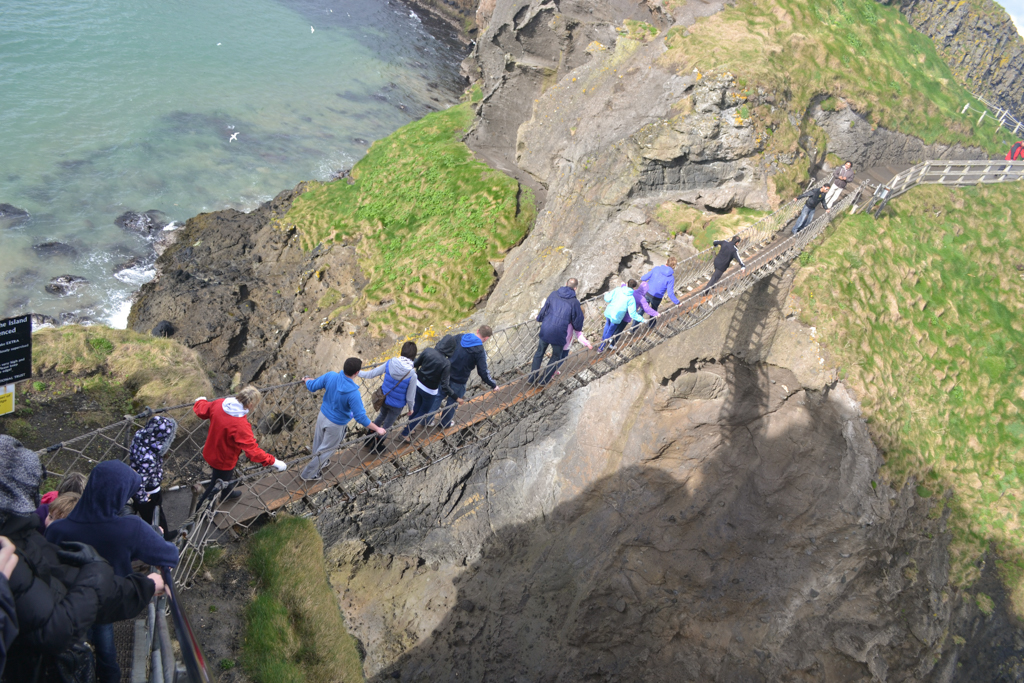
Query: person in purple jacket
point(641, 295)
point(661, 282)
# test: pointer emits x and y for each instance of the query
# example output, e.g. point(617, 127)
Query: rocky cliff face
point(979, 42)
point(707, 513)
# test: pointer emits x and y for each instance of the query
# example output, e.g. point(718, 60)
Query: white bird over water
point(234, 136)
point(310, 29)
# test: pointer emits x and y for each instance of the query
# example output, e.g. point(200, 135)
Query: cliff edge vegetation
point(427, 219)
point(922, 311)
point(854, 53)
point(88, 376)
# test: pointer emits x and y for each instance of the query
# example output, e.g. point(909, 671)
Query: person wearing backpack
point(398, 389)
point(560, 310)
point(433, 383)
point(466, 352)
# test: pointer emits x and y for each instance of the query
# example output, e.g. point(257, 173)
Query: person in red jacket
point(1016, 152)
point(230, 434)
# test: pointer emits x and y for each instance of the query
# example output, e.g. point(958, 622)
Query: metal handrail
point(191, 652)
point(939, 172)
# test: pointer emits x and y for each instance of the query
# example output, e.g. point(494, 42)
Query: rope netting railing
point(283, 421)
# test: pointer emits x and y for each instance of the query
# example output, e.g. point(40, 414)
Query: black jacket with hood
point(560, 310)
point(58, 592)
point(433, 370)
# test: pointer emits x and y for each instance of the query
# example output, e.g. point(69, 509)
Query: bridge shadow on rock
point(738, 538)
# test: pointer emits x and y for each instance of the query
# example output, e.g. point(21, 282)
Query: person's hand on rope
point(201, 398)
point(460, 401)
point(8, 558)
point(307, 379)
point(379, 430)
point(498, 388)
point(279, 465)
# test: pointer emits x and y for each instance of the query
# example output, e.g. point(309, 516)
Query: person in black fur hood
point(59, 591)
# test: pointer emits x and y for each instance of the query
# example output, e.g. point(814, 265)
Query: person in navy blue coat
point(560, 311)
point(96, 521)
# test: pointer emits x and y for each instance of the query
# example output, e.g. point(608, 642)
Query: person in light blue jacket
point(620, 309)
point(342, 403)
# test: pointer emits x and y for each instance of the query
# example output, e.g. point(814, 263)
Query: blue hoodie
point(95, 521)
point(661, 282)
point(470, 354)
point(342, 400)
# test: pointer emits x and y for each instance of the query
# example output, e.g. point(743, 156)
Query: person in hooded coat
point(146, 456)
point(230, 435)
point(560, 310)
point(399, 388)
point(469, 353)
point(59, 591)
point(119, 540)
point(341, 404)
point(8, 612)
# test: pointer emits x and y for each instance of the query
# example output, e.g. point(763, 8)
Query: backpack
point(1016, 152)
point(448, 345)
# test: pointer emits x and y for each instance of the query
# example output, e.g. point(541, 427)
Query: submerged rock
point(62, 285)
point(54, 248)
point(133, 262)
point(146, 224)
point(11, 215)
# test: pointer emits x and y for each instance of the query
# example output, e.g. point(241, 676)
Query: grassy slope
point(704, 226)
point(428, 217)
point(923, 309)
point(294, 629)
point(859, 50)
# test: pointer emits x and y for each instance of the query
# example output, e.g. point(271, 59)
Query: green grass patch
point(149, 371)
point(294, 631)
point(924, 309)
point(705, 226)
point(858, 50)
point(427, 217)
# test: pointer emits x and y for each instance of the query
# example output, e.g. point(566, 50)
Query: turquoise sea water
point(108, 106)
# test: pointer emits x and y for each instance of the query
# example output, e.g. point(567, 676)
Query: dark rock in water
point(164, 328)
point(142, 223)
point(69, 318)
point(38, 320)
point(62, 285)
point(133, 262)
point(22, 277)
point(53, 248)
point(360, 141)
point(11, 215)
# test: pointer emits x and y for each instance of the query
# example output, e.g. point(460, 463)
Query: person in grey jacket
point(843, 176)
point(399, 388)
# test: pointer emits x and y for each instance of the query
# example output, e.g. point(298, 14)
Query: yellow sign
point(7, 400)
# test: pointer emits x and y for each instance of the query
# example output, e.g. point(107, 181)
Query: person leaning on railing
point(468, 353)
point(59, 591)
point(230, 434)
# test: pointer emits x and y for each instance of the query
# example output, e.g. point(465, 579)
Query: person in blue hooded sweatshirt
point(468, 354)
point(119, 540)
point(342, 403)
point(661, 282)
point(560, 311)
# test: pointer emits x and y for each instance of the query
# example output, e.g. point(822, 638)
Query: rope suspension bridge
point(283, 420)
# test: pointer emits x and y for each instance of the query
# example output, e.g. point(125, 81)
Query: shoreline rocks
point(63, 285)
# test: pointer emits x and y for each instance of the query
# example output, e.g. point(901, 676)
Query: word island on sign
point(15, 349)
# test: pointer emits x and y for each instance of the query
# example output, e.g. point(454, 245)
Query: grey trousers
point(327, 436)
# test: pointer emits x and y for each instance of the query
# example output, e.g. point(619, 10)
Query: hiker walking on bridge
point(467, 352)
point(561, 310)
point(843, 176)
point(621, 307)
point(661, 282)
point(398, 389)
point(814, 197)
point(727, 251)
point(433, 383)
point(230, 434)
point(341, 404)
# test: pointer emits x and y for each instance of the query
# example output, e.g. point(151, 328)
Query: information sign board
point(15, 349)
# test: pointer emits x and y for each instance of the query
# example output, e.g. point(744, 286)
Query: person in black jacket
point(59, 591)
point(561, 310)
point(8, 613)
point(814, 197)
point(433, 373)
point(468, 354)
point(727, 251)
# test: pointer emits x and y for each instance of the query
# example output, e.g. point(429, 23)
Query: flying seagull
point(310, 29)
point(234, 136)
